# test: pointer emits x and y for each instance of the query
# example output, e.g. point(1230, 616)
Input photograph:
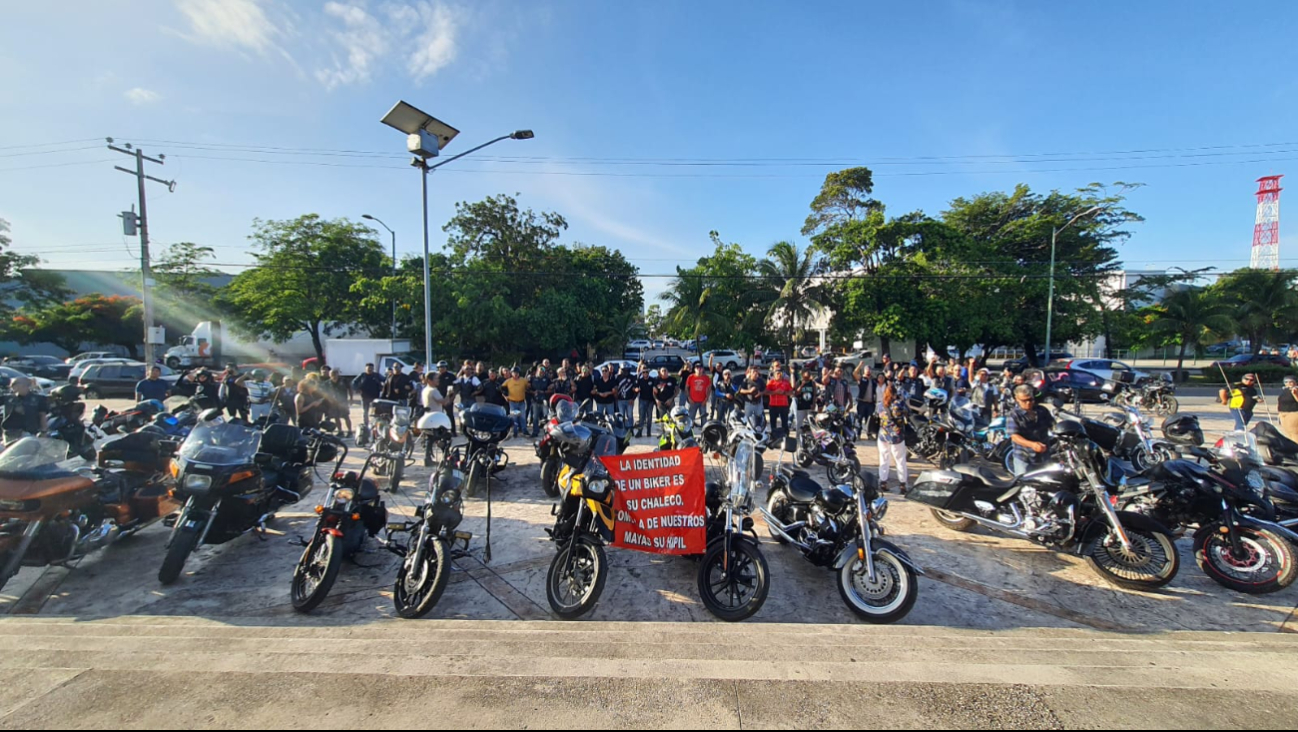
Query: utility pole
point(146, 271)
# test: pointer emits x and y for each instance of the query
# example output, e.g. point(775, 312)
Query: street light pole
point(394, 267)
point(1050, 301)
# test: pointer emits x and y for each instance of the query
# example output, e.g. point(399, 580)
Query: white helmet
point(936, 397)
point(434, 421)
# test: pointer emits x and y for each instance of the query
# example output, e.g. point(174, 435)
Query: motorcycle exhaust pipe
point(780, 529)
point(1011, 529)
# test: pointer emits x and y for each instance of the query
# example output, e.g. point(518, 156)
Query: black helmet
point(66, 394)
point(715, 433)
point(1183, 429)
point(1070, 428)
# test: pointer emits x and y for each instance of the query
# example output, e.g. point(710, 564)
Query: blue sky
point(1210, 88)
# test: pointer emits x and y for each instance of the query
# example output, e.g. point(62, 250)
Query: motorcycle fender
point(881, 546)
point(1098, 525)
point(735, 538)
point(1253, 523)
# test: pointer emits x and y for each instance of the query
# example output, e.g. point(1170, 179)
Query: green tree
point(93, 319)
point(1263, 303)
point(21, 282)
point(653, 320)
point(793, 275)
point(1186, 314)
point(303, 278)
point(183, 274)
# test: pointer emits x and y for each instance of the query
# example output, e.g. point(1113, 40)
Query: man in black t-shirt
point(606, 391)
point(490, 391)
point(397, 386)
point(645, 393)
point(1242, 399)
point(25, 411)
point(665, 393)
point(540, 388)
point(625, 387)
point(752, 392)
point(584, 385)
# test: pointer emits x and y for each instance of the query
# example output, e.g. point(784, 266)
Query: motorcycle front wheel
point(418, 588)
point(397, 473)
point(550, 477)
point(316, 572)
point(1264, 564)
point(1167, 406)
point(733, 585)
point(1003, 456)
point(840, 473)
point(182, 545)
point(475, 482)
point(576, 578)
point(888, 598)
point(1151, 563)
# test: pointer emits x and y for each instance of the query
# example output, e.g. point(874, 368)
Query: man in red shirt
point(697, 388)
point(778, 388)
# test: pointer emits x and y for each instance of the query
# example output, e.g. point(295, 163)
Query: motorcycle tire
point(398, 472)
point(416, 601)
point(720, 579)
point(475, 481)
point(886, 600)
point(953, 521)
point(840, 473)
point(550, 477)
point(778, 506)
point(1267, 565)
point(803, 459)
point(591, 564)
point(1168, 406)
point(1153, 564)
point(1003, 456)
point(306, 596)
point(182, 545)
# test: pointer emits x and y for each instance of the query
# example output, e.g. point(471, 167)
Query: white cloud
point(140, 95)
point(435, 45)
point(238, 24)
point(363, 39)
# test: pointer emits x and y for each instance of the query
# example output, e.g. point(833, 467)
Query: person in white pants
point(892, 439)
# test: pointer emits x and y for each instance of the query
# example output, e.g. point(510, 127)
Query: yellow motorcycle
point(678, 430)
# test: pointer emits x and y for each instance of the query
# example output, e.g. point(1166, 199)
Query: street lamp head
point(522, 135)
point(367, 216)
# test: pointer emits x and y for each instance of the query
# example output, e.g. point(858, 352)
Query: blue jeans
point(536, 416)
point(518, 413)
point(605, 408)
point(755, 415)
point(644, 424)
point(627, 409)
point(1023, 464)
point(1242, 419)
point(698, 413)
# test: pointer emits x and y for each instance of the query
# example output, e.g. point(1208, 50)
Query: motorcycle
point(733, 578)
point(1235, 542)
point(56, 509)
point(825, 438)
point(112, 423)
point(1125, 435)
point(351, 511)
point(392, 440)
point(1278, 456)
point(678, 430)
point(425, 557)
point(486, 426)
point(837, 527)
point(723, 438)
point(1156, 395)
point(233, 477)
point(548, 452)
point(65, 422)
point(1063, 505)
point(584, 516)
point(429, 429)
point(931, 434)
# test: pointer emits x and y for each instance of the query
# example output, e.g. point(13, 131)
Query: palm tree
point(690, 306)
point(1188, 313)
point(1264, 303)
point(799, 296)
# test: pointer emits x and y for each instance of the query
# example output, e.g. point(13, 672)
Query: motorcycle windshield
point(34, 455)
point(221, 444)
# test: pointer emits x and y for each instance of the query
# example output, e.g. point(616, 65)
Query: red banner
point(660, 501)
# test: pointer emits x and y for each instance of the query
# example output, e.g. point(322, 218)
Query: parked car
point(1108, 370)
point(49, 367)
point(672, 363)
point(1249, 359)
point(808, 351)
point(1226, 348)
point(1063, 387)
point(659, 344)
point(1016, 365)
point(850, 361)
point(769, 357)
point(42, 384)
point(726, 359)
point(91, 354)
point(104, 380)
point(639, 345)
point(617, 364)
point(80, 367)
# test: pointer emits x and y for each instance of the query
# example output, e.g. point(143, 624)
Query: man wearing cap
point(697, 387)
point(644, 386)
point(397, 386)
point(25, 411)
point(1241, 399)
point(724, 394)
point(515, 389)
point(1287, 403)
point(1028, 428)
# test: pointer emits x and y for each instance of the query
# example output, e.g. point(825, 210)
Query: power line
point(58, 165)
point(50, 144)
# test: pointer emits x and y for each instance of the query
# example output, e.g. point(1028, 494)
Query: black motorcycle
point(1063, 504)
point(1235, 541)
point(66, 422)
point(428, 551)
point(827, 438)
point(485, 426)
point(933, 434)
point(351, 511)
point(1156, 395)
point(734, 580)
point(233, 477)
point(837, 527)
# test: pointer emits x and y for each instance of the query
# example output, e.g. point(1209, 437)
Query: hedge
point(1267, 374)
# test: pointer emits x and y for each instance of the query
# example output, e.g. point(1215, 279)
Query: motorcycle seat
point(802, 487)
point(989, 477)
point(1270, 437)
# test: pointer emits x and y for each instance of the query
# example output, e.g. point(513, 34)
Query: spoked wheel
point(1151, 562)
point(1167, 405)
point(733, 585)
point(576, 579)
point(885, 599)
point(840, 473)
point(420, 585)
point(953, 521)
point(1264, 563)
point(316, 572)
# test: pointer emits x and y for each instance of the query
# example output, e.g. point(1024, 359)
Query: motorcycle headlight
point(1255, 481)
point(878, 508)
point(449, 496)
point(480, 435)
point(198, 483)
point(344, 495)
point(596, 487)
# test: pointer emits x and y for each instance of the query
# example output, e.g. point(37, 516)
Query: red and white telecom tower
point(1266, 230)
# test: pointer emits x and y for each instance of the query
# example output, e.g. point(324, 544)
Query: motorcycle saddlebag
point(139, 452)
point(152, 501)
point(937, 488)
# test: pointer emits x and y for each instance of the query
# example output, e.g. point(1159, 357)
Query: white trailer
point(349, 355)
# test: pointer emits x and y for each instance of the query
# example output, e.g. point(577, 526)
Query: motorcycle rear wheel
point(414, 599)
point(1167, 406)
point(886, 600)
point(576, 578)
point(953, 521)
point(1266, 565)
point(316, 572)
point(182, 545)
point(733, 588)
point(1152, 562)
